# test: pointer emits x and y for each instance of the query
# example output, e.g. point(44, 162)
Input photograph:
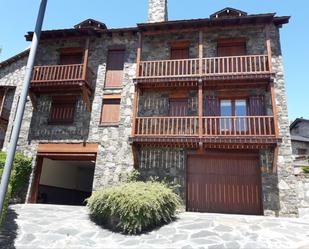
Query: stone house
point(199, 102)
point(299, 130)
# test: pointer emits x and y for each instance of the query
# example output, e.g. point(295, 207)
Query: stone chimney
point(157, 11)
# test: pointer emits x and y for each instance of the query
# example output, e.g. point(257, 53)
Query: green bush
point(134, 207)
point(19, 179)
point(305, 169)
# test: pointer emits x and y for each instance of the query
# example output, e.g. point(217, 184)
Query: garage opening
point(65, 182)
point(223, 182)
point(63, 174)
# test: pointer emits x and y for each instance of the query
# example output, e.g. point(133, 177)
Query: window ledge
point(109, 125)
point(114, 88)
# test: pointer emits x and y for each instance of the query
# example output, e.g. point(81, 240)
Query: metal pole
point(21, 105)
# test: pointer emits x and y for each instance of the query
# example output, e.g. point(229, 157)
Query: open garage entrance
point(65, 182)
point(63, 174)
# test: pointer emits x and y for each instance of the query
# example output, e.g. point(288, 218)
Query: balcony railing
point(243, 126)
point(62, 74)
point(213, 66)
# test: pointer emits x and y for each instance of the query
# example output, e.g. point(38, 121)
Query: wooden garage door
point(224, 183)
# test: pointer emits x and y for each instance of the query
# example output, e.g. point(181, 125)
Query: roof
point(224, 17)
point(231, 12)
point(215, 22)
point(90, 23)
point(14, 58)
point(299, 138)
point(297, 121)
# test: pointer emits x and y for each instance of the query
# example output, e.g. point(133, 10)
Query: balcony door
point(179, 51)
point(69, 56)
point(233, 114)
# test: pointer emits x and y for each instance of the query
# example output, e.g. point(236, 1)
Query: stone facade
point(303, 190)
point(157, 11)
point(114, 154)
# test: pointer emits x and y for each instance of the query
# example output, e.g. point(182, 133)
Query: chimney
point(157, 11)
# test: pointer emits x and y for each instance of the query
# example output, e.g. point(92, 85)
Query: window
point(301, 152)
point(110, 110)
point(114, 73)
point(70, 56)
point(179, 50)
point(231, 47)
point(236, 108)
point(178, 107)
point(62, 110)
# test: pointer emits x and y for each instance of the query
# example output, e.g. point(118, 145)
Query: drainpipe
point(21, 105)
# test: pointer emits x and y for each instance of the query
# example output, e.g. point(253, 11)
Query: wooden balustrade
point(169, 68)
point(250, 64)
point(61, 73)
point(166, 126)
point(238, 126)
point(213, 66)
point(251, 126)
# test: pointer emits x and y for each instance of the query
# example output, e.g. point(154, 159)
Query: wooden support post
point(3, 100)
point(200, 52)
point(86, 99)
point(268, 47)
point(275, 160)
point(34, 101)
point(139, 54)
point(274, 106)
point(135, 156)
point(36, 180)
point(135, 109)
point(200, 108)
point(86, 57)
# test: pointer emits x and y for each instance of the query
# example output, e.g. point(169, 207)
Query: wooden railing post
point(268, 47)
point(139, 54)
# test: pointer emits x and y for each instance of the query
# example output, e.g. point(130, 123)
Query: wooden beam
point(268, 47)
point(86, 57)
point(36, 180)
point(33, 100)
point(135, 108)
point(86, 98)
point(274, 106)
point(139, 53)
point(135, 156)
point(200, 108)
point(275, 160)
point(78, 148)
point(3, 100)
point(200, 52)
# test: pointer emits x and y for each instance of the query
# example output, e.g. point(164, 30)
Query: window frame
point(110, 98)
point(60, 101)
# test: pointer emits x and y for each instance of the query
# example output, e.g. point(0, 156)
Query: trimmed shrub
point(305, 169)
point(18, 181)
point(134, 207)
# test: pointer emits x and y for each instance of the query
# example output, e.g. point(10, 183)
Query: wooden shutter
point(178, 107)
point(231, 47)
point(110, 111)
point(256, 106)
point(62, 110)
point(115, 63)
point(211, 106)
point(70, 56)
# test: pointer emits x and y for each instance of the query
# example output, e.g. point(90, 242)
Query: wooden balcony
point(216, 129)
point(59, 77)
point(232, 67)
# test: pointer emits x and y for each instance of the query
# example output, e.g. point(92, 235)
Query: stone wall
point(286, 178)
point(299, 145)
point(303, 190)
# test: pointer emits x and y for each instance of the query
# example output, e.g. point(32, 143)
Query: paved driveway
point(65, 227)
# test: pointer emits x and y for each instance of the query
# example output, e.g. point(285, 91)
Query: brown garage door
point(224, 183)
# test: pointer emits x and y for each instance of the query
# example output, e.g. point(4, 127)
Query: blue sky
point(18, 16)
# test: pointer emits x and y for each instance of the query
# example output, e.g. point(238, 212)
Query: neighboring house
point(199, 102)
point(300, 137)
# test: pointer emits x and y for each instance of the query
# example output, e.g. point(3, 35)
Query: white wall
point(76, 175)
